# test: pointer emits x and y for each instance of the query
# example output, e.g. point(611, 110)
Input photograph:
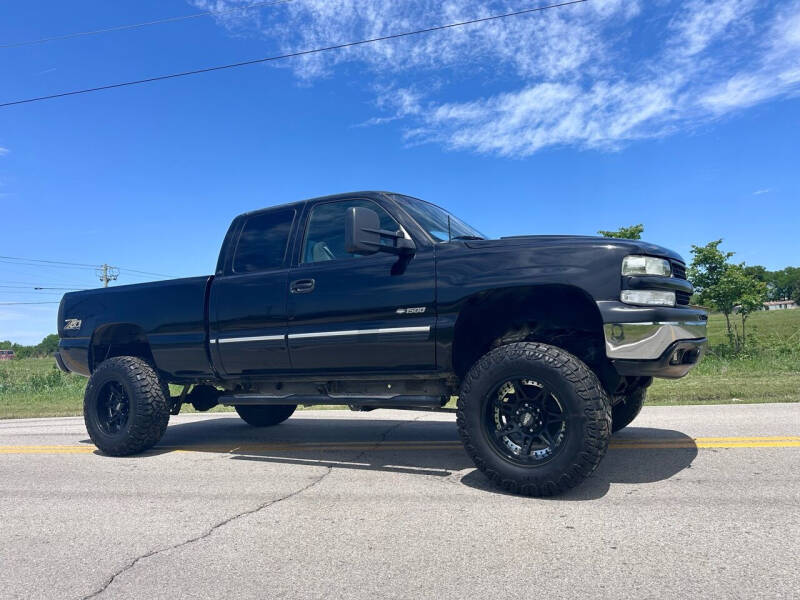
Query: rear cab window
point(264, 241)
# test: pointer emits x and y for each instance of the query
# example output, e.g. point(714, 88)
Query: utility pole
point(107, 273)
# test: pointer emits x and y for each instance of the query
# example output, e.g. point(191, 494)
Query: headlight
point(651, 297)
point(645, 265)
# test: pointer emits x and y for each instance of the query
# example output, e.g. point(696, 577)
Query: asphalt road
point(694, 501)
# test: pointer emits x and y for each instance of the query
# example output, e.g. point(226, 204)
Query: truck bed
point(171, 315)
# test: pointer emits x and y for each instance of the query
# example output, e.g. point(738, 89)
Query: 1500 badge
point(72, 324)
point(411, 311)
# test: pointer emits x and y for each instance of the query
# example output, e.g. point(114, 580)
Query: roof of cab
point(363, 194)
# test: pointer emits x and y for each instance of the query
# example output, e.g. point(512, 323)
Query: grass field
point(769, 371)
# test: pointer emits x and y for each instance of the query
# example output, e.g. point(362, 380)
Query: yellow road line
point(617, 444)
point(691, 444)
point(773, 438)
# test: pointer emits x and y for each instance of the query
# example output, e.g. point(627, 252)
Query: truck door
point(247, 303)
point(351, 313)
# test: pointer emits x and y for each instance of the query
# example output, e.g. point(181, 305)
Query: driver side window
point(324, 239)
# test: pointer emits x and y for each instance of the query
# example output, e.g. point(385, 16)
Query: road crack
point(385, 435)
point(208, 532)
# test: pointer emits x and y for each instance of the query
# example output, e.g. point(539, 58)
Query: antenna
point(449, 235)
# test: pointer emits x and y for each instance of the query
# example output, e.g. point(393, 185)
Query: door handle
point(302, 286)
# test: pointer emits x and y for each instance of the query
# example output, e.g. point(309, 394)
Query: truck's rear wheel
point(265, 416)
point(534, 418)
point(624, 412)
point(126, 406)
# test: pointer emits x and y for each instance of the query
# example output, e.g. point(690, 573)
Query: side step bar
point(401, 401)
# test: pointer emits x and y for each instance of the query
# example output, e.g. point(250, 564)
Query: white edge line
point(701, 323)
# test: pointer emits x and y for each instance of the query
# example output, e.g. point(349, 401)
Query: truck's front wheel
point(534, 418)
point(126, 406)
point(265, 416)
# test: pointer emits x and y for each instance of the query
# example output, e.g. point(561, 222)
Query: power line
point(46, 266)
point(54, 262)
point(292, 54)
point(33, 262)
point(144, 272)
point(207, 13)
point(37, 288)
point(26, 295)
point(29, 295)
point(28, 284)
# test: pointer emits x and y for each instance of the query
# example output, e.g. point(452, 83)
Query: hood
point(550, 241)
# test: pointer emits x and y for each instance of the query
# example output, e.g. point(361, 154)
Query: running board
point(402, 401)
point(439, 409)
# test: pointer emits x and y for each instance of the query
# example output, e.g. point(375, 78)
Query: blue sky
point(682, 115)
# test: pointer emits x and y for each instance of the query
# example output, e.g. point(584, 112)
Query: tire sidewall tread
point(576, 386)
point(148, 413)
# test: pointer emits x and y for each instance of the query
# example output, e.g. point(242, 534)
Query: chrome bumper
point(648, 341)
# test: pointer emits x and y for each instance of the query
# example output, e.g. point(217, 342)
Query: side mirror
point(363, 233)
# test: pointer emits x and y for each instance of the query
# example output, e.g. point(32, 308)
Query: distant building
point(6, 354)
point(780, 305)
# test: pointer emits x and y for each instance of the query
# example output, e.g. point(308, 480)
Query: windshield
point(440, 224)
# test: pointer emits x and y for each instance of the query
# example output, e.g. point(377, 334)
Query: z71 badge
point(72, 324)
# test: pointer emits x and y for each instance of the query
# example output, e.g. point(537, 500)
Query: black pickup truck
point(380, 300)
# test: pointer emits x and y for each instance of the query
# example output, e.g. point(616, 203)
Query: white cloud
point(699, 23)
point(594, 75)
point(4, 151)
point(762, 192)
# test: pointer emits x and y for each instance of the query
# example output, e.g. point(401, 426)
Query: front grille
point(678, 270)
point(682, 298)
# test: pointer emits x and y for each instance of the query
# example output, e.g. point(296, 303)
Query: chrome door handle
point(301, 286)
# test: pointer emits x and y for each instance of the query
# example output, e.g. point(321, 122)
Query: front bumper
point(656, 342)
point(676, 361)
point(649, 340)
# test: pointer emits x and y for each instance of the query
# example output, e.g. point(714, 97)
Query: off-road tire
point(624, 412)
point(148, 398)
point(585, 402)
point(265, 416)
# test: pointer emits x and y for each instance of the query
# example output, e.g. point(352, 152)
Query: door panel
point(356, 317)
point(247, 304)
point(248, 331)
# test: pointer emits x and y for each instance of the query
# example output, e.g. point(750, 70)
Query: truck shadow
point(636, 456)
point(429, 448)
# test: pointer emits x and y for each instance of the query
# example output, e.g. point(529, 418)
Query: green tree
point(709, 264)
point(633, 232)
point(784, 283)
point(757, 272)
point(752, 294)
point(724, 295)
point(48, 345)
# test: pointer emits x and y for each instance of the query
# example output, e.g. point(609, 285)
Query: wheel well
point(121, 339)
point(560, 315)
